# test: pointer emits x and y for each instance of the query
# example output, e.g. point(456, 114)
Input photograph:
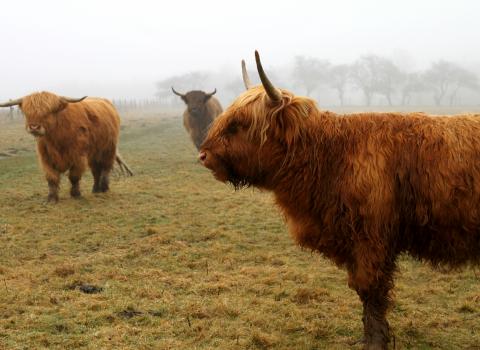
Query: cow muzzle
point(202, 157)
point(35, 130)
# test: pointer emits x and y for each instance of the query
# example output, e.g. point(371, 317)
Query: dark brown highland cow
point(358, 188)
point(71, 134)
point(202, 109)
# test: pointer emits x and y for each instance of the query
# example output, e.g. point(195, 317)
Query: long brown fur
point(359, 188)
point(76, 135)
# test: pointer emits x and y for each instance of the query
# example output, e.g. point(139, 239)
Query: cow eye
point(232, 128)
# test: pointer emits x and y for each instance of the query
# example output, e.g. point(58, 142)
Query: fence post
point(10, 113)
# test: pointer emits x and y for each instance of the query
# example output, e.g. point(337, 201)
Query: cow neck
point(198, 120)
point(306, 170)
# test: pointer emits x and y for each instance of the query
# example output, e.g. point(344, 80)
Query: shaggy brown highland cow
point(71, 134)
point(202, 109)
point(358, 188)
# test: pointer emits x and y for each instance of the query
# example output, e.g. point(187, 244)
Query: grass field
point(184, 262)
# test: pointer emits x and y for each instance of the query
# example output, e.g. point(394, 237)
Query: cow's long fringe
point(41, 104)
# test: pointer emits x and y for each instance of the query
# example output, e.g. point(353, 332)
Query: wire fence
point(123, 105)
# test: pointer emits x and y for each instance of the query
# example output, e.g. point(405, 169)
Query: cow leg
point(74, 176)
point(53, 180)
point(372, 278)
point(376, 329)
point(96, 172)
point(53, 190)
point(101, 178)
point(104, 180)
point(104, 171)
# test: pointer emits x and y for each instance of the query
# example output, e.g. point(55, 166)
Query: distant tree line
point(369, 78)
point(182, 83)
point(374, 74)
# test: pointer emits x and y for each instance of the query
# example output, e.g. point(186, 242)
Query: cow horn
point(272, 92)
point(177, 93)
point(212, 93)
point(73, 100)
point(246, 78)
point(12, 102)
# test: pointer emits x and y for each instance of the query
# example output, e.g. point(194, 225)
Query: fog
point(120, 49)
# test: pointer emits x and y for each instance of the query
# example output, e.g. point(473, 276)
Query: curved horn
point(177, 93)
point(212, 93)
point(73, 100)
point(246, 78)
point(272, 92)
point(12, 102)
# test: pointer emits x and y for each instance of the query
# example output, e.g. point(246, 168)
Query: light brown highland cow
point(360, 188)
point(72, 134)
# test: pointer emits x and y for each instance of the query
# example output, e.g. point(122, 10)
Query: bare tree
point(186, 82)
point(412, 84)
point(446, 78)
point(310, 73)
point(375, 74)
point(438, 79)
point(363, 73)
point(462, 78)
point(338, 80)
point(390, 77)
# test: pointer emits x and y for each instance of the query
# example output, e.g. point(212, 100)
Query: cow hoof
point(376, 346)
point(52, 198)
point(360, 341)
point(75, 193)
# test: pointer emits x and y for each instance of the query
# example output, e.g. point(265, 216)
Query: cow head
point(249, 142)
point(195, 101)
point(40, 110)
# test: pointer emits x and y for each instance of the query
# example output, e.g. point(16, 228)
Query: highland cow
point(202, 109)
point(359, 188)
point(71, 134)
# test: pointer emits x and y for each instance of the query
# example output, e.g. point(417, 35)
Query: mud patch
point(4, 155)
point(129, 313)
point(85, 288)
point(11, 152)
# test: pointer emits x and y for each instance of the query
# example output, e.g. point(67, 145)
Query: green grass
point(187, 263)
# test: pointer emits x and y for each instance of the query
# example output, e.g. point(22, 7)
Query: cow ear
point(61, 106)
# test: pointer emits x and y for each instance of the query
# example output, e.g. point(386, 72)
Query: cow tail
point(124, 168)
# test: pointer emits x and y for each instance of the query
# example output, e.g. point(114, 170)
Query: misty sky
point(117, 48)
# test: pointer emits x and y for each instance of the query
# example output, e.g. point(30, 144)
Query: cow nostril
point(202, 156)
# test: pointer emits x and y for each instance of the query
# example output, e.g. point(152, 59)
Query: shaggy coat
point(201, 110)
point(359, 188)
point(72, 136)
